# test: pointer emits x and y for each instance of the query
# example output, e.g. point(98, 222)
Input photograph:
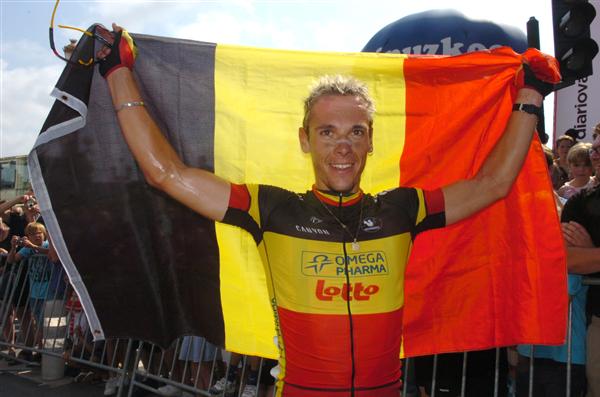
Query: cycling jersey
point(337, 303)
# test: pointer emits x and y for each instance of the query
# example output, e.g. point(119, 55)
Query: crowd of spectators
point(29, 271)
point(574, 170)
point(31, 277)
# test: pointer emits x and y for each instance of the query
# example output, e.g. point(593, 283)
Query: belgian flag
point(146, 267)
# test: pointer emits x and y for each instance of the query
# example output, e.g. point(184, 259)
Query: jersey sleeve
point(251, 207)
point(431, 213)
point(243, 210)
point(419, 210)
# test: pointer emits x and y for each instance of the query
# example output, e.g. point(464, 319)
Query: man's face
point(338, 141)
point(595, 155)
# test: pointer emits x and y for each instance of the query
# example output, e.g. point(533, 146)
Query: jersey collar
point(333, 198)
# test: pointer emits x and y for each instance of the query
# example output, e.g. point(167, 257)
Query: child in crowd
point(580, 168)
point(35, 242)
point(560, 166)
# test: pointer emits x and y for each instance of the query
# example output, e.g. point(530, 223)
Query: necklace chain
point(355, 245)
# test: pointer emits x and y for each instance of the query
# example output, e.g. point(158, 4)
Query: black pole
point(533, 33)
point(533, 41)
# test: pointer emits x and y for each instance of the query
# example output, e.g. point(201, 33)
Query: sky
point(29, 70)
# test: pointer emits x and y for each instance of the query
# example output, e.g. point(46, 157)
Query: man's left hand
point(539, 72)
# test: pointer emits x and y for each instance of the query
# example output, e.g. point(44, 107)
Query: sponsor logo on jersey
point(316, 265)
point(314, 220)
point(322, 264)
point(312, 230)
point(372, 225)
point(328, 291)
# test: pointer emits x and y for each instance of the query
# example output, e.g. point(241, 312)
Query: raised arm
point(200, 190)
point(13, 256)
point(501, 167)
point(5, 206)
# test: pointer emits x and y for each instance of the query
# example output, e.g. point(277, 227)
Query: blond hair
point(35, 227)
point(338, 85)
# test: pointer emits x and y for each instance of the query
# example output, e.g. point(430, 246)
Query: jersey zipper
point(350, 320)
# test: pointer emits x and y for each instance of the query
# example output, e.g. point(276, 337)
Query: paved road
point(28, 382)
point(24, 381)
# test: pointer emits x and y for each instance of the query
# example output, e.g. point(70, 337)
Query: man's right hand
point(122, 53)
point(200, 190)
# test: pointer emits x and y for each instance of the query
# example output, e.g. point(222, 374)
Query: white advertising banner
point(578, 106)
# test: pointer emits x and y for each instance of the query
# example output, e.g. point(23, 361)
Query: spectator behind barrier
point(595, 158)
point(559, 201)
point(14, 293)
point(197, 352)
point(6, 283)
point(228, 383)
point(18, 212)
point(580, 169)
point(4, 240)
point(560, 168)
point(34, 242)
point(581, 230)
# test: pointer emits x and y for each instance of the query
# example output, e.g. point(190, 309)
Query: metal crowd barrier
point(52, 331)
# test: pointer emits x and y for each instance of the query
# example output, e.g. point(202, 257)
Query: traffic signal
point(573, 46)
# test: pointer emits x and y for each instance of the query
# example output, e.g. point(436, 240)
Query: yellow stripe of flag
point(259, 97)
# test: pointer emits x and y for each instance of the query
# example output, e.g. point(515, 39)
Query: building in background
point(14, 177)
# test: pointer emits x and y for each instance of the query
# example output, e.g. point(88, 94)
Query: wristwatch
point(528, 108)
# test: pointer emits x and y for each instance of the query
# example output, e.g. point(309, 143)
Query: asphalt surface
point(26, 381)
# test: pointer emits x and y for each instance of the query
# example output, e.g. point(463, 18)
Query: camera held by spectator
point(30, 203)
